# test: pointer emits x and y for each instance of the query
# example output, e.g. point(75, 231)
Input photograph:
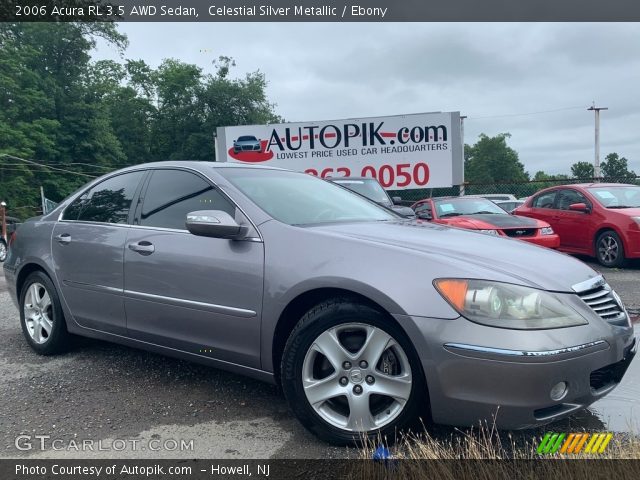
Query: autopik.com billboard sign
point(402, 152)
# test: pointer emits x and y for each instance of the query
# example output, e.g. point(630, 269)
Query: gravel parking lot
point(143, 405)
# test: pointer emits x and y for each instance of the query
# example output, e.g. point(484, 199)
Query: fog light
point(559, 391)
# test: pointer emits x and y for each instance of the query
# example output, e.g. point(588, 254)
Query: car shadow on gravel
point(102, 390)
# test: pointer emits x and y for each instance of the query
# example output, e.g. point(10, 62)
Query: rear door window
point(107, 202)
point(545, 200)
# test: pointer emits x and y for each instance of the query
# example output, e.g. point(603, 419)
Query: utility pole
point(462, 117)
point(596, 161)
point(215, 146)
point(42, 202)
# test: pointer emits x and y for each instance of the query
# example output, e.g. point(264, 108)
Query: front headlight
point(507, 306)
point(636, 219)
point(489, 232)
point(546, 231)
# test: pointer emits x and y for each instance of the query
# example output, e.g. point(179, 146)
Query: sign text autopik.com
point(352, 134)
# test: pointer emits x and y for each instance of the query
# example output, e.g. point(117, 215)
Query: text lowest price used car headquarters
point(355, 352)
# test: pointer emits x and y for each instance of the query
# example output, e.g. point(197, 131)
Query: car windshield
point(301, 199)
point(452, 207)
point(247, 139)
point(617, 197)
point(369, 188)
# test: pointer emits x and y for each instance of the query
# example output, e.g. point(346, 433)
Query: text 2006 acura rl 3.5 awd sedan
point(367, 320)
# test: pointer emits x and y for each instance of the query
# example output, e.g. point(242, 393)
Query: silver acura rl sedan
point(367, 320)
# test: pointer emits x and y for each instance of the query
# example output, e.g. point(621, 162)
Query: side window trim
point(136, 197)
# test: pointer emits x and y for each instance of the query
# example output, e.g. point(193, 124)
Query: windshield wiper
point(452, 214)
point(484, 212)
point(622, 206)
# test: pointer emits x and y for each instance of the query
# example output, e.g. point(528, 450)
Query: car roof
point(450, 197)
point(337, 179)
point(463, 197)
point(199, 165)
point(594, 184)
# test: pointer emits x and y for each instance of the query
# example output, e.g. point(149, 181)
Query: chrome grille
point(520, 232)
point(602, 300)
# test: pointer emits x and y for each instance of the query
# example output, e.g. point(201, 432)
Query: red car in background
point(601, 220)
point(475, 213)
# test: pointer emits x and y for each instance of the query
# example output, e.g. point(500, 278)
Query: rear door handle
point(143, 248)
point(63, 239)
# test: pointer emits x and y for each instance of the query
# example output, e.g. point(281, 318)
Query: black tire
point(336, 313)
point(58, 340)
point(3, 250)
point(610, 250)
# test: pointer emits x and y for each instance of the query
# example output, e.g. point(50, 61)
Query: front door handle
point(143, 248)
point(63, 239)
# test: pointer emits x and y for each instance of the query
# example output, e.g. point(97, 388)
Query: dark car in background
point(478, 213)
point(371, 188)
point(600, 220)
point(246, 143)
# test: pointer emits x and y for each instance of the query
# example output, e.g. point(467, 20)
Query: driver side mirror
point(216, 224)
point(396, 200)
point(579, 207)
point(424, 216)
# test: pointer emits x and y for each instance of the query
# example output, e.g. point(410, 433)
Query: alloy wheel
point(608, 249)
point(356, 377)
point(38, 313)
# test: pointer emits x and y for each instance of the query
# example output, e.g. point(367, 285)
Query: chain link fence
point(517, 189)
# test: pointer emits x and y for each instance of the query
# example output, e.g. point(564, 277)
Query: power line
point(16, 168)
point(527, 114)
point(31, 162)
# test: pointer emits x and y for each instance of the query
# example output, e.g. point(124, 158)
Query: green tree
point(191, 105)
point(582, 170)
point(80, 118)
point(616, 168)
point(491, 160)
point(47, 111)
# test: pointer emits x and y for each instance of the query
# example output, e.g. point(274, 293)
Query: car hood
point(484, 221)
point(472, 254)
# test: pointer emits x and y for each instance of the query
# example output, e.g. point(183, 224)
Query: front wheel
point(609, 249)
point(349, 373)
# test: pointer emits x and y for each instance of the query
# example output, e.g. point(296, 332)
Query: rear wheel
point(3, 250)
point(349, 373)
point(43, 323)
point(609, 249)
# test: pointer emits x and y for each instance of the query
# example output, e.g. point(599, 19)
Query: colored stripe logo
point(574, 443)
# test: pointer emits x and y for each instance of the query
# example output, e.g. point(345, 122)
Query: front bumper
point(469, 382)
point(549, 241)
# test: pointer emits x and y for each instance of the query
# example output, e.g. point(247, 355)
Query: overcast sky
point(493, 73)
